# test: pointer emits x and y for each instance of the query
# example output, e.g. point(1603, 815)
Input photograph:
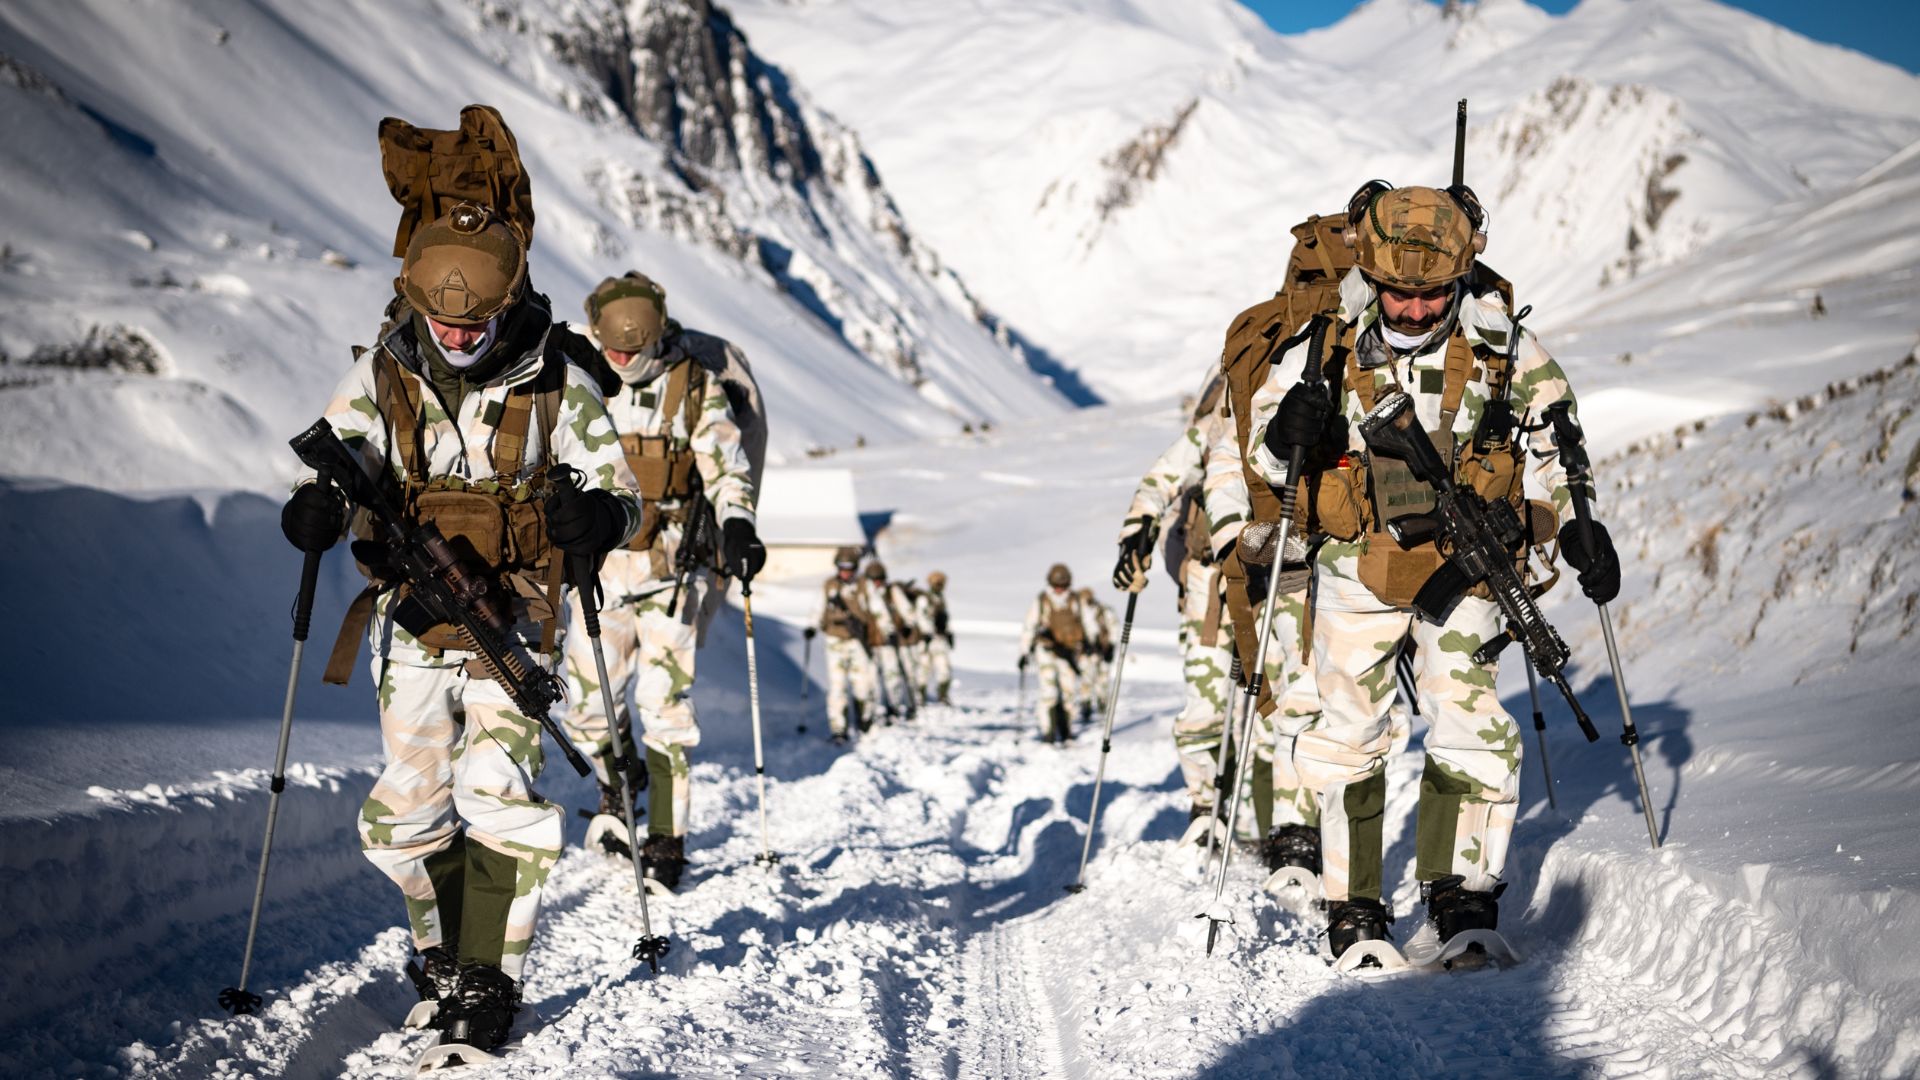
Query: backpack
point(479, 162)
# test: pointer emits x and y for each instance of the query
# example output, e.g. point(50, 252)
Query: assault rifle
point(447, 591)
point(696, 544)
point(1479, 538)
point(855, 622)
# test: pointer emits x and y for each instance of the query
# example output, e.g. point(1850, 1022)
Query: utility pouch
point(1333, 500)
point(527, 529)
point(474, 524)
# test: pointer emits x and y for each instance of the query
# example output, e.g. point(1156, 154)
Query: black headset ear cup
point(1362, 201)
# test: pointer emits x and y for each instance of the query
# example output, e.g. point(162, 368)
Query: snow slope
point(1119, 177)
point(199, 185)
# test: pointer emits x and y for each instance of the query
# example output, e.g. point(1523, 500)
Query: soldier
point(1103, 629)
point(1418, 314)
point(464, 405)
point(900, 632)
point(680, 436)
point(851, 632)
point(937, 654)
point(1051, 638)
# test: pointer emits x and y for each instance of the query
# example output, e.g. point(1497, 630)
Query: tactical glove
point(1136, 556)
point(314, 517)
point(1025, 659)
point(1599, 570)
point(741, 551)
point(584, 522)
point(1304, 416)
point(809, 633)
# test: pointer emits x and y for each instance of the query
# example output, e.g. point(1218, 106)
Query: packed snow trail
point(917, 925)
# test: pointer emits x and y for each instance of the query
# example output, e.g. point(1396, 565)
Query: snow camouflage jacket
point(1537, 382)
point(458, 450)
point(725, 472)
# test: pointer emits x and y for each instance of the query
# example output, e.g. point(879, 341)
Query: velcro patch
point(491, 417)
point(1433, 381)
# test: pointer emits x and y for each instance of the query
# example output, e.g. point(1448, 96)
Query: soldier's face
point(1411, 311)
point(620, 359)
point(456, 338)
point(845, 572)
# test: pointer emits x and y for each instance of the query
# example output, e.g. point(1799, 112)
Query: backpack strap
point(400, 401)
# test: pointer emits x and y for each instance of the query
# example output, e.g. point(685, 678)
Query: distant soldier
point(681, 434)
point(1103, 630)
point(937, 655)
point(851, 632)
point(901, 631)
point(1051, 641)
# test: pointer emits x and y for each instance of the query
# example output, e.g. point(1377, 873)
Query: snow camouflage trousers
point(896, 677)
point(650, 660)
point(1095, 677)
point(1469, 788)
point(1059, 684)
point(453, 818)
point(934, 659)
point(1279, 797)
point(850, 681)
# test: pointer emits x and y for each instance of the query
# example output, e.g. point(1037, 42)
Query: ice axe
point(237, 999)
point(586, 586)
point(1106, 744)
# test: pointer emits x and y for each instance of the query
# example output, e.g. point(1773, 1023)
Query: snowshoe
point(1460, 932)
point(1357, 936)
point(607, 828)
point(1199, 823)
point(474, 1019)
point(838, 738)
point(435, 973)
point(663, 858)
point(1292, 853)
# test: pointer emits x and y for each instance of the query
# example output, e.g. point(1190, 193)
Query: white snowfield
point(184, 171)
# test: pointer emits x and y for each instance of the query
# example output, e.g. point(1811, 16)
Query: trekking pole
point(1539, 727)
point(806, 665)
point(1568, 437)
point(1106, 744)
point(236, 999)
point(766, 856)
point(1221, 754)
point(1296, 459)
point(586, 586)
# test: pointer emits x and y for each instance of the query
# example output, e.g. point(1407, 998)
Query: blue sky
point(1888, 29)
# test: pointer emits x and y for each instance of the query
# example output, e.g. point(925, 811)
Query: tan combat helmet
point(1059, 576)
point(937, 581)
point(1413, 237)
point(847, 558)
point(465, 268)
point(877, 570)
point(628, 314)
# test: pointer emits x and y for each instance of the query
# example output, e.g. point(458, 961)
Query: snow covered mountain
point(196, 227)
point(1118, 177)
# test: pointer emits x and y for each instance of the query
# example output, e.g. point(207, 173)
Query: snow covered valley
point(175, 301)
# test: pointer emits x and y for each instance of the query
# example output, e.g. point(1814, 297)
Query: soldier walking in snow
point(937, 653)
point(1051, 641)
point(1417, 315)
point(1103, 629)
point(900, 631)
point(681, 436)
point(465, 405)
point(851, 634)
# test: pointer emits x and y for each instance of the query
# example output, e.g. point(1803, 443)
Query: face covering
point(462, 359)
point(647, 364)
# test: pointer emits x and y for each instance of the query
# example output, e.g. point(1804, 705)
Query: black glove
point(809, 633)
point(314, 517)
point(1025, 659)
point(741, 550)
point(1599, 570)
point(1304, 416)
point(584, 522)
point(1136, 555)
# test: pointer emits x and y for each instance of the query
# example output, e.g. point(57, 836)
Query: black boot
point(434, 972)
point(1360, 919)
point(662, 858)
point(1086, 712)
point(1452, 909)
point(1293, 845)
point(1062, 725)
point(480, 1010)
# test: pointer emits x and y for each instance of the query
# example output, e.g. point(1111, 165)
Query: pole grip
point(303, 603)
